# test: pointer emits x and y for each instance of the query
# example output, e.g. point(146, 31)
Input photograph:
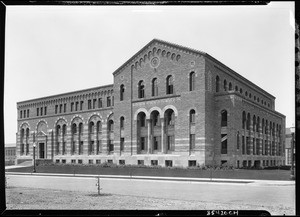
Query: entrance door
point(42, 150)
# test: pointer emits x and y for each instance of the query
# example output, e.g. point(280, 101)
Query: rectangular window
point(168, 163)
point(143, 145)
point(72, 106)
point(60, 108)
point(122, 162)
point(56, 107)
point(63, 161)
point(122, 144)
point(45, 110)
point(41, 111)
point(248, 145)
point(100, 103)
point(110, 161)
point(192, 163)
point(28, 113)
point(91, 161)
point(76, 106)
point(80, 161)
point(257, 147)
point(155, 143)
point(98, 161)
point(192, 142)
point(65, 107)
point(223, 143)
point(140, 162)
point(37, 111)
point(98, 146)
point(89, 104)
point(237, 142)
point(73, 161)
point(64, 148)
point(108, 101)
point(154, 162)
point(81, 105)
point(170, 143)
point(57, 161)
point(112, 101)
point(94, 103)
point(20, 114)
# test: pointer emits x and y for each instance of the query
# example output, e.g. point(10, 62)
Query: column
point(61, 143)
point(251, 136)
point(69, 140)
point(104, 138)
point(162, 135)
point(95, 139)
point(85, 139)
point(149, 135)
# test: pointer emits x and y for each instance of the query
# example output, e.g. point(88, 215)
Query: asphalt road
point(266, 194)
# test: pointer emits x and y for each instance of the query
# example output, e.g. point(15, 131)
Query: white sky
point(56, 49)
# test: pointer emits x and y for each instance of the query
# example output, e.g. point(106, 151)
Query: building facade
point(10, 154)
point(169, 105)
point(289, 137)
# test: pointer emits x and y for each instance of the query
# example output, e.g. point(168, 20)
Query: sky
point(51, 50)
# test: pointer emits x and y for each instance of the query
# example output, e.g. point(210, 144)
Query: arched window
point(91, 127)
point(266, 127)
point(64, 129)
point(141, 91)
point(27, 133)
point(236, 88)
point(110, 126)
point(80, 128)
point(248, 121)
point(230, 86)
point(58, 131)
point(122, 90)
point(246, 93)
point(154, 87)
point(244, 120)
point(142, 119)
point(238, 140)
point(225, 85)
point(254, 123)
point(223, 118)
point(170, 118)
point(217, 84)
point(192, 81)
point(192, 116)
point(99, 126)
point(155, 118)
point(241, 90)
point(263, 125)
point(74, 128)
point(169, 82)
point(257, 124)
point(122, 123)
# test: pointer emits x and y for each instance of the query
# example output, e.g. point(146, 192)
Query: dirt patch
point(43, 199)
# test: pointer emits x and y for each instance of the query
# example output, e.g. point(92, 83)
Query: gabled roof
point(194, 51)
point(153, 41)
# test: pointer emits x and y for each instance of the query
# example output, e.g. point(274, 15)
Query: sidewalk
point(186, 179)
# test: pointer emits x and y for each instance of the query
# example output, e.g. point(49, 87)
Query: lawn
point(275, 174)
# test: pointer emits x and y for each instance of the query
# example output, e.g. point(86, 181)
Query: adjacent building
point(288, 146)
point(10, 153)
point(169, 105)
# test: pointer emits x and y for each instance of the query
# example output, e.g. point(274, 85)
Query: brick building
point(169, 105)
point(10, 154)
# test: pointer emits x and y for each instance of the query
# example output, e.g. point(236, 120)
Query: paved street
point(257, 193)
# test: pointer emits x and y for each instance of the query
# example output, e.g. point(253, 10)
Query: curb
point(184, 179)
